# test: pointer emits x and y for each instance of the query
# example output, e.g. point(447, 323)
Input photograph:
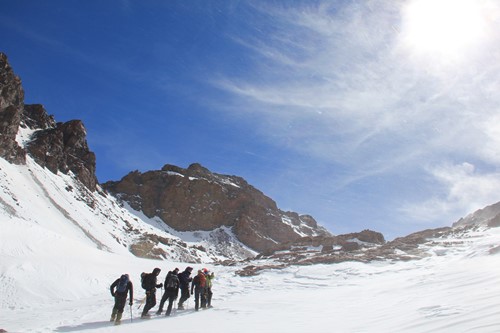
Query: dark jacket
point(130, 289)
point(184, 279)
point(150, 281)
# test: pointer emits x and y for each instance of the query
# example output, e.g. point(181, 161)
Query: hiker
point(210, 277)
point(122, 285)
point(199, 283)
point(184, 280)
point(149, 284)
point(171, 291)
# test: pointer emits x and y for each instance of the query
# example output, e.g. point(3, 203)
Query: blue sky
point(376, 114)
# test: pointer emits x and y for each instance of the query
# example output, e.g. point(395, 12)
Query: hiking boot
point(118, 322)
point(146, 316)
point(158, 312)
point(180, 307)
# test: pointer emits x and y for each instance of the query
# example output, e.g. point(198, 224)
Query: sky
point(381, 114)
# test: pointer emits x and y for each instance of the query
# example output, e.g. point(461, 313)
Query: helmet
point(205, 270)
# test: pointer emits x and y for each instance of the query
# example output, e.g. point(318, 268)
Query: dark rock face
point(36, 117)
point(11, 108)
point(64, 148)
point(197, 199)
point(58, 147)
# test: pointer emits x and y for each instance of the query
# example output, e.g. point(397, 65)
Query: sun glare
point(442, 27)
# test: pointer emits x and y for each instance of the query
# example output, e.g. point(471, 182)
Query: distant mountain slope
point(489, 215)
point(198, 199)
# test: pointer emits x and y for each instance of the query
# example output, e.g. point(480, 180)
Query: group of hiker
point(200, 286)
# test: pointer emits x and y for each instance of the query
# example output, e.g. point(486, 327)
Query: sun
point(442, 27)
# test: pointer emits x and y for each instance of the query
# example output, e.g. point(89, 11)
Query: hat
point(205, 270)
point(189, 269)
point(156, 271)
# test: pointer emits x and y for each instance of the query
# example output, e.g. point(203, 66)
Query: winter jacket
point(199, 281)
point(130, 289)
point(184, 279)
point(210, 277)
point(150, 281)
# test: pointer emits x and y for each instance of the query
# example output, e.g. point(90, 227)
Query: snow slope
point(55, 279)
point(61, 248)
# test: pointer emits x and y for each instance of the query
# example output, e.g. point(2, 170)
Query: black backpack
point(122, 285)
point(173, 282)
point(146, 280)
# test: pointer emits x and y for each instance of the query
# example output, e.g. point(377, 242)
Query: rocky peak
point(11, 108)
point(197, 199)
point(56, 146)
point(64, 148)
point(35, 117)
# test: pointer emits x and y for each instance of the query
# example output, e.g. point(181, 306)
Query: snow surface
point(58, 257)
point(51, 283)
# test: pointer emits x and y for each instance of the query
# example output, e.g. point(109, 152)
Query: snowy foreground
point(52, 284)
point(58, 258)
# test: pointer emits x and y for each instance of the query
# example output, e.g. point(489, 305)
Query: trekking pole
point(130, 304)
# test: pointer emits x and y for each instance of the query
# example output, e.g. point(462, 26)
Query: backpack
point(122, 285)
point(173, 282)
point(143, 280)
point(147, 281)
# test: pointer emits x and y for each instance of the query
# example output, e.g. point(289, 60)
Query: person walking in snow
point(171, 291)
point(199, 284)
point(184, 280)
point(209, 277)
point(123, 286)
point(149, 284)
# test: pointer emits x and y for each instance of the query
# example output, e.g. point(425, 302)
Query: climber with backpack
point(210, 276)
point(148, 282)
point(199, 285)
point(171, 291)
point(122, 285)
point(184, 280)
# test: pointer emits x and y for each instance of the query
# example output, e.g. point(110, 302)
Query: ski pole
point(130, 304)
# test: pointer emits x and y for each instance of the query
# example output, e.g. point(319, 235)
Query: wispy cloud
point(463, 190)
point(337, 81)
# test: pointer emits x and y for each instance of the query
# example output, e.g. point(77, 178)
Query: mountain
point(489, 216)
point(197, 199)
point(198, 215)
point(65, 238)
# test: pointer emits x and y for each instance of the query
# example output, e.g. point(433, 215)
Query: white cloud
point(338, 83)
point(464, 190)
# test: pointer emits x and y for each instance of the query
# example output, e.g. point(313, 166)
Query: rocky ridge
point(198, 199)
point(415, 246)
point(60, 147)
point(235, 216)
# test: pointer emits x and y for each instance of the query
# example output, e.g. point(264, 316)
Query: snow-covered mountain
point(178, 214)
point(64, 240)
point(54, 278)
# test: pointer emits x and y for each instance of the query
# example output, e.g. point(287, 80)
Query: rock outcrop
point(62, 147)
point(11, 108)
point(197, 199)
point(489, 216)
point(56, 146)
